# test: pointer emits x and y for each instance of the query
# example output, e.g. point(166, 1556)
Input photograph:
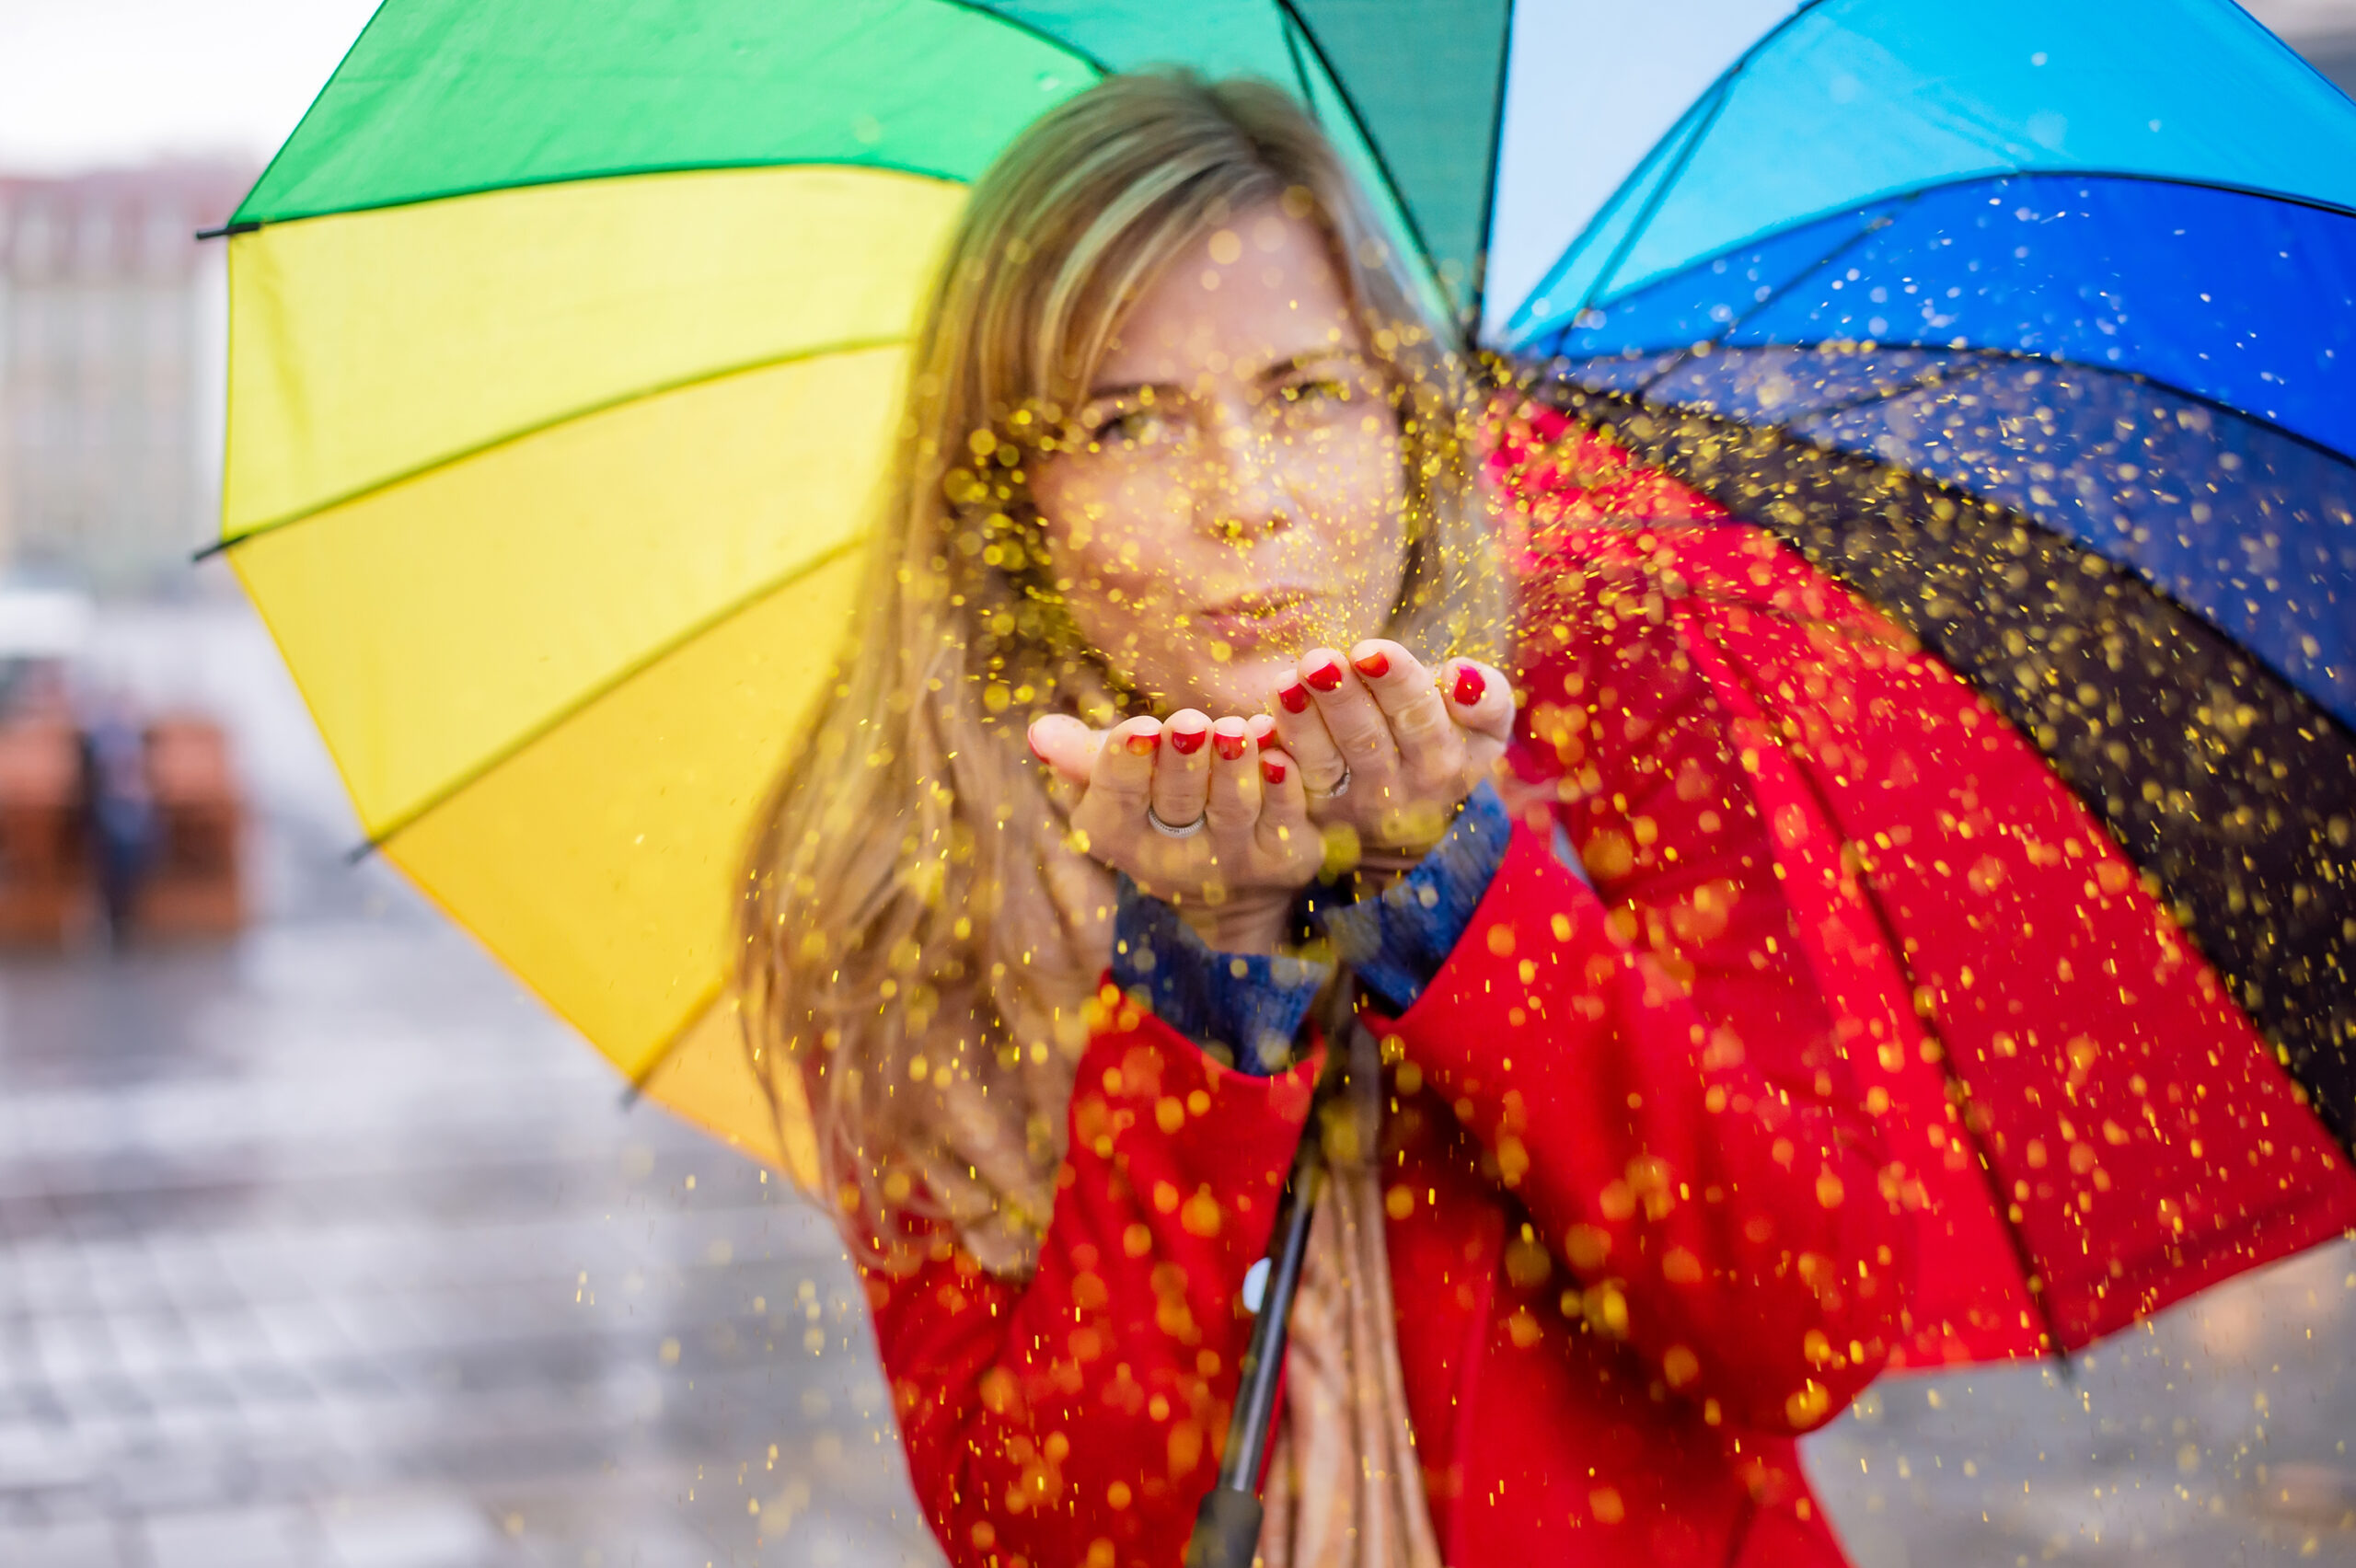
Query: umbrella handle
point(1227, 1529)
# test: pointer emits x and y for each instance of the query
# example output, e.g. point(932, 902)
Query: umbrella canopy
point(565, 348)
point(2047, 349)
point(2106, 289)
point(566, 343)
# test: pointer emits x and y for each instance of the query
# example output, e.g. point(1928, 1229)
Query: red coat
point(1678, 1169)
point(1637, 1235)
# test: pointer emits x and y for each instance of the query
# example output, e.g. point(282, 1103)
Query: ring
point(1153, 819)
point(1341, 788)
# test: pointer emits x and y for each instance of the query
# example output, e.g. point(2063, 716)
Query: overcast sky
point(94, 82)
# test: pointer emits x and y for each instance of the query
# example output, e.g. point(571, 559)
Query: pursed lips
point(1264, 615)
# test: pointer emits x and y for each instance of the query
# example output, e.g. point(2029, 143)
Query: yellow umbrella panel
point(560, 544)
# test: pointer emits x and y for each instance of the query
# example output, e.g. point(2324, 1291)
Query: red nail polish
point(1272, 770)
point(1145, 744)
point(1374, 666)
point(1186, 743)
point(1230, 746)
point(1468, 685)
point(1327, 677)
point(1266, 737)
point(1295, 699)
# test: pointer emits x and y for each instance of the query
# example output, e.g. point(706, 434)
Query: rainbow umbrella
point(566, 342)
point(565, 347)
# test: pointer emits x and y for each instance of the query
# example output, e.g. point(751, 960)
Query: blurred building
point(112, 343)
point(2323, 30)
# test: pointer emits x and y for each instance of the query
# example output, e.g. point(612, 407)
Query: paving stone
point(415, 1530)
point(80, 1543)
point(238, 1537)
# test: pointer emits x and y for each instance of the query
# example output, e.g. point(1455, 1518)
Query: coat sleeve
point(1716, 1195)
point(1076, 1418)
point(1650, 1063)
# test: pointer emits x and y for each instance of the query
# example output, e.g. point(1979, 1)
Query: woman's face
point(1238, 496)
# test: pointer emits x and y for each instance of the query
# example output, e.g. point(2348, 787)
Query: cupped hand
point(1235, 877)
point(1387, 747)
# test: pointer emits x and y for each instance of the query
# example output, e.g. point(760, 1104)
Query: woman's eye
point(1316, 402)
point(1133, 427)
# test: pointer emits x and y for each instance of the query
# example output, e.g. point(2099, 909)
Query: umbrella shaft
point(1227, 1530)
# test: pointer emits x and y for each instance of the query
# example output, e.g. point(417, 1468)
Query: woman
point(1173, 690)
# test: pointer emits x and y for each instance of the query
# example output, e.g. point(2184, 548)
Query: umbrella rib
point(1937, 375)
point(238, 224)
point(1774, 232)
point(1848, 242)
point(1366, 134)
point(1300, 66)
point(587, 699)
point(2316, 711)
point(635, 1089)
point(578, 177)
point(1480, 289)
point(1562, 263)
point(509, 438)
point(1715, 94)
point(1101, 67)
point(1652, 206)
point(1990, 358)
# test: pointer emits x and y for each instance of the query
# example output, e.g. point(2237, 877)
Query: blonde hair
point(919, 943)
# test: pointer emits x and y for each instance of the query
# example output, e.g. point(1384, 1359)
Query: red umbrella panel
point(2086, 1124)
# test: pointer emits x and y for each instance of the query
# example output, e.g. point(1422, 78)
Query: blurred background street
point(323, 1243)
point(327, 1247)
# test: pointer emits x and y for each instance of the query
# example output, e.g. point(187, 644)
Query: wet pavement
point(329, 1247)
point(2217, 1436)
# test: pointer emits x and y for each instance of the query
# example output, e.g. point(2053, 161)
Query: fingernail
point(1144, 744)
point(1295, 699)
point(1272, 770)
point(1032, 740)
point(1230, 746)
point(1468, 685)
point(1266, 737)
point(1186, 743)
point(1326, 676)
point(1374, 666)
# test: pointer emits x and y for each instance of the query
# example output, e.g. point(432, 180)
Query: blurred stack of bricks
point(47, 889)
point(193, 887)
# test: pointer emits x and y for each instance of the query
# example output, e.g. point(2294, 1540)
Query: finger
point(1068, 746)
point(1122, 780)
point(1234, 802)
point(1301, 729)
point(1479, 698)
point(1410, 698)
point(1284, 828)
point(1181, 776)
point(1352, 717)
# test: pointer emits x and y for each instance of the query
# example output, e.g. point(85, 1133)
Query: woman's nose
point(1246, 497)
